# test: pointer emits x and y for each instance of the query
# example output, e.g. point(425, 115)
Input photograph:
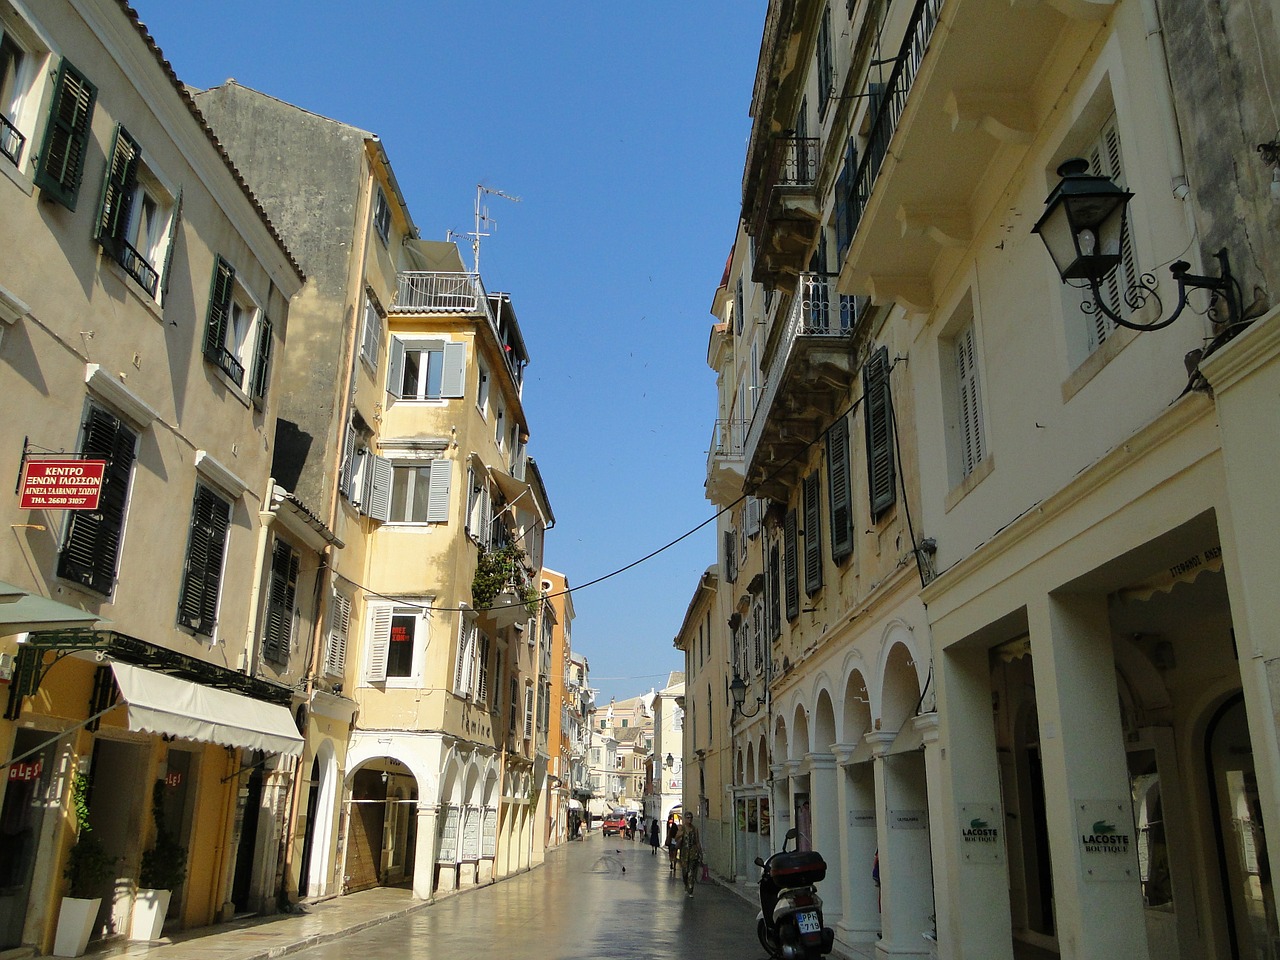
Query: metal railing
point(793, 163)
point(138, 267)
point(817, 311)
point(893, 101)
point(11, 140)
point(728, 440)
point(431, 292)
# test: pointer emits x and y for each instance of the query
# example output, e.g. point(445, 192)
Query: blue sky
point(622, 128)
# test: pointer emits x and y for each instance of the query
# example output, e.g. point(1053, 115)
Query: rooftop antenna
point(483, 222)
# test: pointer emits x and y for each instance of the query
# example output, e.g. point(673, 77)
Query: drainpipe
point(266, 517)
point(1172, 133)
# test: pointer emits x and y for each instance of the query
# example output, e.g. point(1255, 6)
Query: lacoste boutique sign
point(1104, 832)
point(981, 839)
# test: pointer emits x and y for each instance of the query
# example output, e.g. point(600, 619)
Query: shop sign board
point(1105, 834)
point(981, 839)
point(61, 484)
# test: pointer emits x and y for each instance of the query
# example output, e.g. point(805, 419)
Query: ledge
point(114, 392)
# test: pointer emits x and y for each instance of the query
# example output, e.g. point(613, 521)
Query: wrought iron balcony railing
point(432, 292)
point(893, 101)
point(728, 439)
point(138, 267)
point(11, 140)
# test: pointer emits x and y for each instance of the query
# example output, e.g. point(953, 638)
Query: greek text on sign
point(61, 484)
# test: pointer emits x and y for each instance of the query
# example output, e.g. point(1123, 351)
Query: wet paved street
point(580, 904)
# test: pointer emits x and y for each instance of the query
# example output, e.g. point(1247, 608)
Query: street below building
point(605, 897)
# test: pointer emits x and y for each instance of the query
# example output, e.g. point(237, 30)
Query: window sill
point(1092, 365)
point(20, 179)
point(131, 285)
point(235, 390)
point(966, 486)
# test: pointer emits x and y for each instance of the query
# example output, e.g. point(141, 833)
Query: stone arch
point(319, 864)
point(363, 750)
point(824, 723)
point(900, 687)
point(855, 714)
point(780, 751)
point(762, 761)
point(800, 742)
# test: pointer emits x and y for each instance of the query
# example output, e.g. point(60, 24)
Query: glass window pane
point(400, 649)
point(401, 477)
point(435, 372)
point(421, 487)
point(409, 387)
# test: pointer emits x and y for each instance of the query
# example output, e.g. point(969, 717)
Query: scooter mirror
point(792, 833)
point(759, 862)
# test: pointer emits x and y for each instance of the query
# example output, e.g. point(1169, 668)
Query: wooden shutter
point(210, 518)
point(482, 671)
point(117, 192)
point(1106, 160)
point(882, 480)
point(379, 642)
point(972, 442)
point(346, 476)
point(376, 501)
point(730, 557)
point(454, 373)
point(838, 490)
point(812, 535)
point(261, 361)
point(528, 712)
point(395, 367)
point(66, 136)
point(215, 328)
point(335, 658)
point(790, 581)
point(438, 497)
point(172, 242)
point(463, 664)
point(773, 592)
point(284, 586)
point(91, 549)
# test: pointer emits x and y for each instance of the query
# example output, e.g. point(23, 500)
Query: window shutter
point(455, 369)
point(117, 192)
point(485, 534)
point(773, 593)
point(838, 490)
point(348, 471)
point(812, 535)
point(261, 362)
point(215, 329)
point(462, 668)
point(882, 477)
point(528, 712)
point(170, 243)
point(753, 517)
point(972, 442)
point(335, 660)
point(92, 546)
point(284, 584)
point(791, 587)
point(482, 680)
point(438, 497)
point(379, 642)
point(377, 496)
point(372, 333)
point(66, 135)
point(730, 557)
point(198, 606)
point(395, 367)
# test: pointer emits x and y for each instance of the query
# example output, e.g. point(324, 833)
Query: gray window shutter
point(348, 470)
point(882, 479)
point(335, 661)
point(838, 490)
point(379, 643)
point(812, 535)
point(455, 369)
point(377, 497)
point(395, 366)
point(790, 578)
point(438, 502)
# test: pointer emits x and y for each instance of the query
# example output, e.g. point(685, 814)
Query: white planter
point(147, 919)
point(76, 918)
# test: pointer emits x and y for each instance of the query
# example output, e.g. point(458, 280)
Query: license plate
point(807, 920)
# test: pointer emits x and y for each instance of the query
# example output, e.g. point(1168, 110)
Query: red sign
point(172, 779)
point(61, 484)
point(30, 770)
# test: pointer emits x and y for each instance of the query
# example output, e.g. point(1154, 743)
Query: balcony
point(957, 90)
point(11, 140)
point(725, 461)
point(810, 370)
point(787, 216)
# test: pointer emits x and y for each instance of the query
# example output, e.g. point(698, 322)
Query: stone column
point(825, 811)
point(1097, 892)
point(779, 805)
point(906, 882)
point(424, 852)
point(856, 797)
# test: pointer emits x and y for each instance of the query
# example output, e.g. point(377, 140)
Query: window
point(826, 65)
point(20, 67)
point(838, 490)
point(66, 136)
point(528, 712)
point(335, 659)
point(382, 216)
point(738, 308)
point(371, 342)
point(91, 547)
point(968, 441)
point(482, 392)
point(1105, 160)
point(848, 208)
point(206, 547)
point(237, 332)
point(812, 491)
point(419, 492)
point(730, 556)
point(791, 584)
point(277, 635)
point(138, 216)
point(423, 369)
point(881, 476)
point(397, 642)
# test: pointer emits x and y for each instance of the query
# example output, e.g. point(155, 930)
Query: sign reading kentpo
point(1105, 833)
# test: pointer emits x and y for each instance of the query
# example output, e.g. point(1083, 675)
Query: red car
point(614, 824)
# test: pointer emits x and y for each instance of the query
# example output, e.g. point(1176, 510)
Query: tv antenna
point(484, 222)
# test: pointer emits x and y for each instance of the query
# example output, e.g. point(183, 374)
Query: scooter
point(789, 923)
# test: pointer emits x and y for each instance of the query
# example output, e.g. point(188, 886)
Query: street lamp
point(738, 690)
point(1083, 229)
point(670, 761)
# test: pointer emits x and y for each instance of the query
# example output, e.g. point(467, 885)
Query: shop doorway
point(20, 820)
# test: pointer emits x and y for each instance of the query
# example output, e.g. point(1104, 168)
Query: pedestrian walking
point(631, 827)
point(673, 843)
point(690, 855)
point(654, 840)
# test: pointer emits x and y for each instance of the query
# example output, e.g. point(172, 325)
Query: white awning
point(159, 703)
point(21, 611)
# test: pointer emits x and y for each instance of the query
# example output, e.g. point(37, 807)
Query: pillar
point(424, 851)
point(1097, 892)
point(779, 805)
point(856, 795)
point(825, 811)
point(906, 881)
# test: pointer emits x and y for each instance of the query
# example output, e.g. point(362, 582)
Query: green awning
point(21, 612)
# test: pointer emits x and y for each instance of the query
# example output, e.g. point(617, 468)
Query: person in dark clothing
point(653, 835)
point(631, 827)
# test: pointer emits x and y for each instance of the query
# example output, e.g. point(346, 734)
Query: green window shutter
point(261, 362)
point(117, 193)
point(882, 478)
point(812, 535)
point(210, 518)
point(838, 490)
point(284, 585)
point(91, 549)
point(215, 331)
point(790, 579)
point(167, 269)
point(66, 136)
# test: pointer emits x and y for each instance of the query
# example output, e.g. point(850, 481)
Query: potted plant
point(88, 867)
point(164, 868)
point(501, 586)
